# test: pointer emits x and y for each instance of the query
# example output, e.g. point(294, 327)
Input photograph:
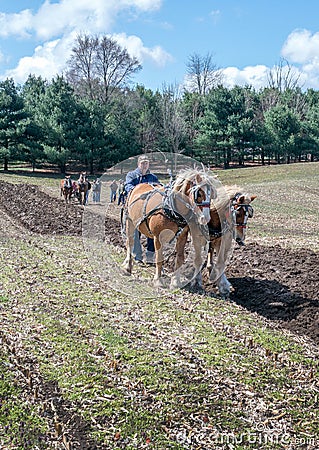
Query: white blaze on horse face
point(202, 207)
point(202, 220)
point(240, 234)
point(241, 218)
point(206, 214)
point(206, 210)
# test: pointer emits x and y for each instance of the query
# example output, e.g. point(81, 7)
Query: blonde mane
point(189, 175)
point(224, 195)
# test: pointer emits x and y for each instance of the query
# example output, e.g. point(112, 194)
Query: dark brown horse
point(162, 214)
point(66, 189)
point(83, 192)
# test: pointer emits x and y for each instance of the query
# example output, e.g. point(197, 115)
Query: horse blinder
point(198, 193)
point(248, 213)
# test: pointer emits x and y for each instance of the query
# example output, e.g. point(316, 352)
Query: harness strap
point(169, 208)
point(147, 196)
point(215, 233)
point(167, 205)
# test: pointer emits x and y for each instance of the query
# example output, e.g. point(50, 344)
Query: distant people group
point(117, 188)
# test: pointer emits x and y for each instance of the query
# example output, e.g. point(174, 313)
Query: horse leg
point(210, 254)
point(128, 263)
point(180, 258)
point(199, 243)
point(223, 246)
point(158, 281)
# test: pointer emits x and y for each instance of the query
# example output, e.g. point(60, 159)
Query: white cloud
point(135, 47)
point(53, 19)
point(301, 51)
point(301, 47)
point(145, 5)
point(309, 74)
point(255, 76)
point(56, 25)
point(215, 15)
point(16, 24)
point(44, 62)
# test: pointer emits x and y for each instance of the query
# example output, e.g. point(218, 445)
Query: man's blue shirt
point(136, 177)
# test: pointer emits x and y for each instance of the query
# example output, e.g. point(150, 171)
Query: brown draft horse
point(162, 213)
point(229, 214)
point(83, 191)
point(66, 189)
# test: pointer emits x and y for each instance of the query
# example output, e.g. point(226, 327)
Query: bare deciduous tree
point(99, 66)
point(172, 118)
point(283, 76)
point(81, 65)
point(203, 73)
point(284, 88)
point(114, 65)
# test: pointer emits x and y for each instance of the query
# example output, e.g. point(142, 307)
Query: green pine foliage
point(53, 123)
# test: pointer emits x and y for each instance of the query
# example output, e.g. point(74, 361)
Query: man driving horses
point(141, 174)
point(67, 181)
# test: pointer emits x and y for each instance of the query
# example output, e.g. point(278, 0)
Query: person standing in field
point(113, 187)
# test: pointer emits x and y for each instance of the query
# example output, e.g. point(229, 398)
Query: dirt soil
point(277, 283)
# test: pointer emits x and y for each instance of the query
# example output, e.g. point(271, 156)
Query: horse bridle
point(246, 207)
point(195, 191)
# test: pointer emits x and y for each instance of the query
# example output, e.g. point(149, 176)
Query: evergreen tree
point(16, 133)
point(60, 120)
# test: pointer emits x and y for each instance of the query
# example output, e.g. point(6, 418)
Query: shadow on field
point(276, 301)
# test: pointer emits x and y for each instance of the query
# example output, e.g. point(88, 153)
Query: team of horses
point(69, 189)
point(162, 213)
point(196, 205)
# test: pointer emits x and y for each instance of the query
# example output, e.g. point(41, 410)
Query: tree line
point(90, 115)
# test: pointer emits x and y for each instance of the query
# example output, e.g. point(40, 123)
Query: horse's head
point(202, 192)
point(243, 210)
point(199, 187)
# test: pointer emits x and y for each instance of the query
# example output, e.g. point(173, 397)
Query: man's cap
point(143, 158)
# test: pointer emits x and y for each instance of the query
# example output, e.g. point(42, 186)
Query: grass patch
point(21, 424)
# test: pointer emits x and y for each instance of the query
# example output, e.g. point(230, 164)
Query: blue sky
point(246, 37)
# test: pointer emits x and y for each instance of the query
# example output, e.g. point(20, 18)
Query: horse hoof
point(126, 268)
point(174, 285)
point(224, 295)
point(159, 283)
point(126, 273)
